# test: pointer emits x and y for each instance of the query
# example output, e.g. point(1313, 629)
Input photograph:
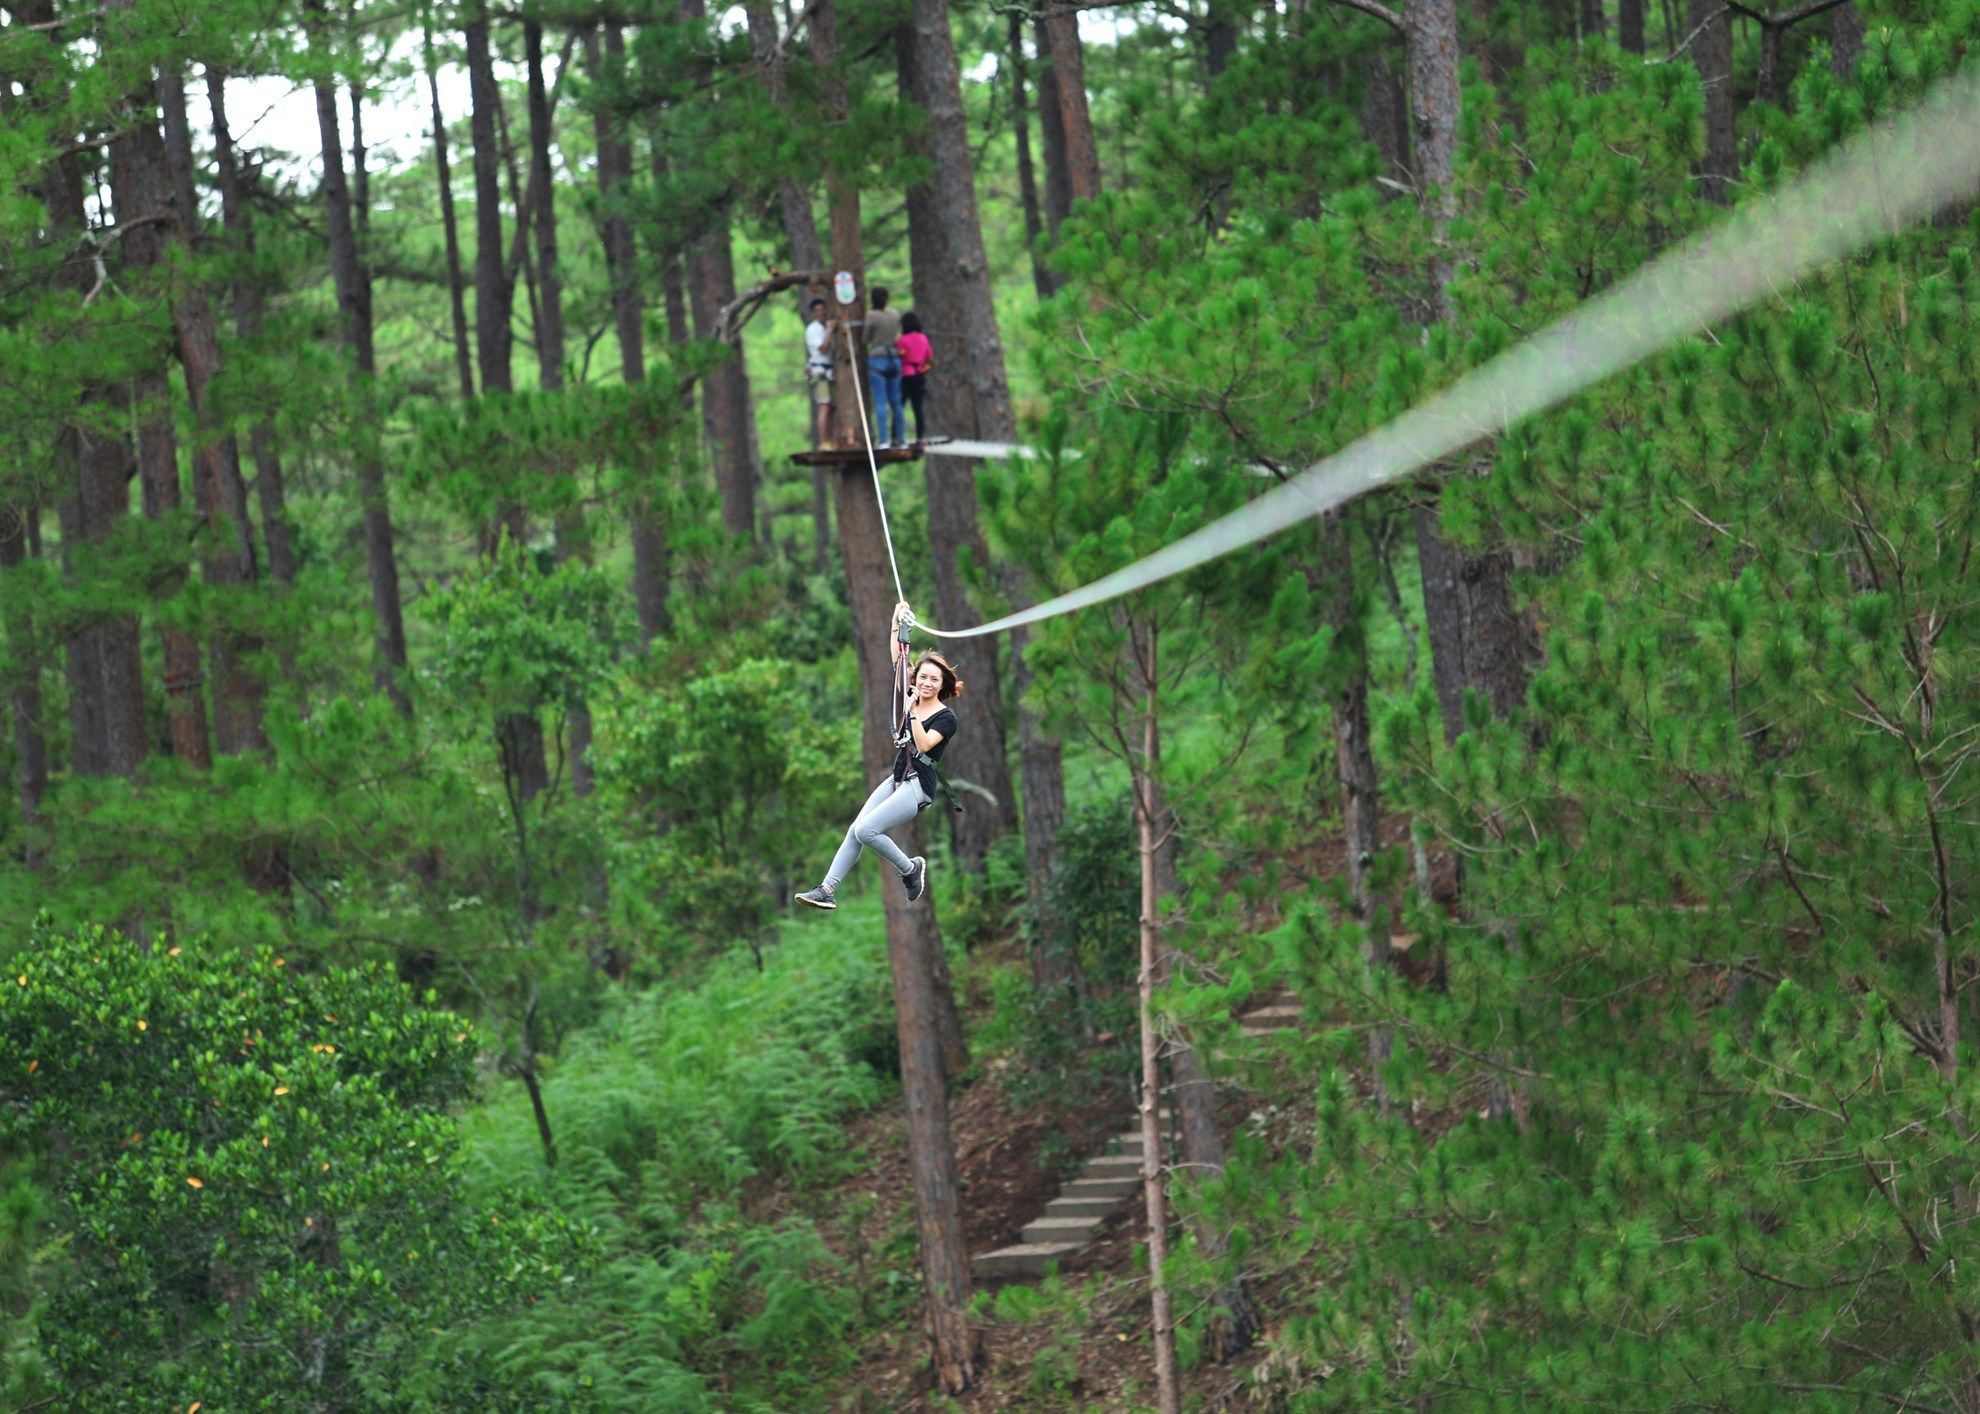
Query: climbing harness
point(1898, 171)
point(903, 733)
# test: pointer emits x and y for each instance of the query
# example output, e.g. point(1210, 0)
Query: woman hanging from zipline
point(927, 726)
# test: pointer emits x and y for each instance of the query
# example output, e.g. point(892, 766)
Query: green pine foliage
point(1711, 975)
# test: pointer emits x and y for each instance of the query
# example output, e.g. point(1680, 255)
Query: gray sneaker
point(916, 878)
point(820, 897)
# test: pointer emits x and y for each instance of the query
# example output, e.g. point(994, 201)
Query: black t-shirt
point(940, 720)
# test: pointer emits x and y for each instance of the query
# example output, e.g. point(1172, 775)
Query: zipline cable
point(873, 463)
point(1895, 172)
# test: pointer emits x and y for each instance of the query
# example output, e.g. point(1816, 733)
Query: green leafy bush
point(728, 783)
point(259, 1188)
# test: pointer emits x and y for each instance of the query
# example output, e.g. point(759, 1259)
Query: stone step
point(1063, 1207)
point(1271, 1016)
point(1113, 1188)
point(1058, 1229)
point(1112, 1166)
point(1026, 1259)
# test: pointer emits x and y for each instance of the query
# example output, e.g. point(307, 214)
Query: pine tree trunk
point(981, 348)
point(1845, 38)
point(924, 1000)
point(353, 283)
point(1333, 580)
point(615, 165)
point(360, 174)
point(521, 257)
point(1082, 152)
point(1153, 1177)
point(673, 296)
point(1629, 25)
point(1477, 639)
point(141, 194)
point(450, 226)
point(1766, 85)
point(494, 289)
point(1594, 20)
point(104, 661)
point(673, 293)
point(249, 304)
point(1236, 1326)
point(229, 560)
point(105, 682)
point(20, 673)
point(1041, 770)
point(1220, 40)
point(1237, 1322)
point(520, 734)
point(543, 215)
point(801, 243)
point(105, 673)
point(550, 346)
point(1052, 135)
point(1384, 116)
point(1042, 279)
point(158, 478)
point(728, 411)
point(1431, 46)
point(615, 226)
point(980, 755)
point(1474, 633)
point(20, 669)
point(1711, 51)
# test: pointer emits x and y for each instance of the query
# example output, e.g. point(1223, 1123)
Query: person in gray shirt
point(883, 371)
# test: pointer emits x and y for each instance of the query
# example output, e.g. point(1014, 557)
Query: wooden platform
point(856, 456)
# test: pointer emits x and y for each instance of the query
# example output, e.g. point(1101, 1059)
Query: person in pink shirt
point(917, 357)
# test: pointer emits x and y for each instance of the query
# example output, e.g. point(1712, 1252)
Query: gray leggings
point(888, 808)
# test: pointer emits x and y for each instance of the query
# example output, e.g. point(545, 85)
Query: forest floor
point(1087, 1345)
point(1008, 1164)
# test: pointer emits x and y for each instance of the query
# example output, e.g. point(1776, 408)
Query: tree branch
point(1377, 10)
point(729, 320)
point(1689, 39)
point(1786, 18)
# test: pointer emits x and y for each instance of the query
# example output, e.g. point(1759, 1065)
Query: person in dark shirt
point(926, 731)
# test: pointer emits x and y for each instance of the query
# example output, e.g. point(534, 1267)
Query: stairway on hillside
point(1105, 1182)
